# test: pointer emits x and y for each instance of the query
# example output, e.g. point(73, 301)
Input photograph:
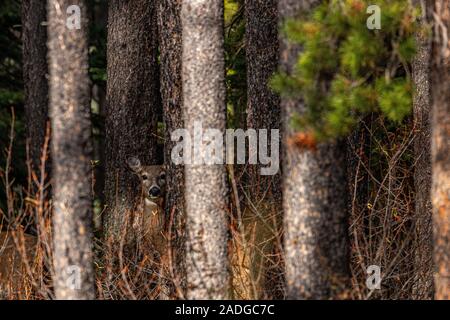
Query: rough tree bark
point(314, 193)
point(205, 185)
point(71, 150)
point(170, 36)
point(132, 103)
point(35, 70)
point(263, 109)
point(263, 105)
point(440, 150)
point(423, 239)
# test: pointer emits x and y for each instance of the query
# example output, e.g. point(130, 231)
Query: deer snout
point(154, 191)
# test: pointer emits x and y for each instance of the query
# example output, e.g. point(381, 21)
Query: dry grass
point(380, 232)
point(382, 209)
point(32, 268)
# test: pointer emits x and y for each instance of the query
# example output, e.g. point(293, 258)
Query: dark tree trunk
point(441, 148)
point(132, 103)
point(35, 70)
point(170, 36)
point(263, 112)
point(205, 185)
point(423, 240)
point(263, 105)
point(71, 153)
point(314, 200)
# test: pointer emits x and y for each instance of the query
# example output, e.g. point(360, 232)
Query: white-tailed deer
point(149, 220)
point(251, 244)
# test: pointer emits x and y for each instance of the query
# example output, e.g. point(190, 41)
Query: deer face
point(150, 224)
point(153, 179)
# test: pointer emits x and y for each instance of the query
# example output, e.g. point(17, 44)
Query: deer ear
point(134, 164)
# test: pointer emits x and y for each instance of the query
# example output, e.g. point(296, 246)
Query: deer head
point(153, 187)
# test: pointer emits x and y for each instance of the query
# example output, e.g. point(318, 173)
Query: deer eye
point(144, 177)
point(162, 176)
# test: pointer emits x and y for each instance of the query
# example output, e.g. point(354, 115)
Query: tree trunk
point(71, 153)
point(263, 112)
point(440, 149)
point(205, 185)
point(35, 70)
point(423, 240)
point(170, 36)
point(132, 104)
point(263, 105)
point(314, 199)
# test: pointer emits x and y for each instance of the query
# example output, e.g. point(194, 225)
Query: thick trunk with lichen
point(423, 238)
point(35, 70)
point(71, 151)
point(263, 112)
point(314, 199)
point(204, 101)
point(132, 104)
point(170, 36)
point(440, 150)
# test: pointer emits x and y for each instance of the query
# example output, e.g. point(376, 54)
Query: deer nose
point(154, 191)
